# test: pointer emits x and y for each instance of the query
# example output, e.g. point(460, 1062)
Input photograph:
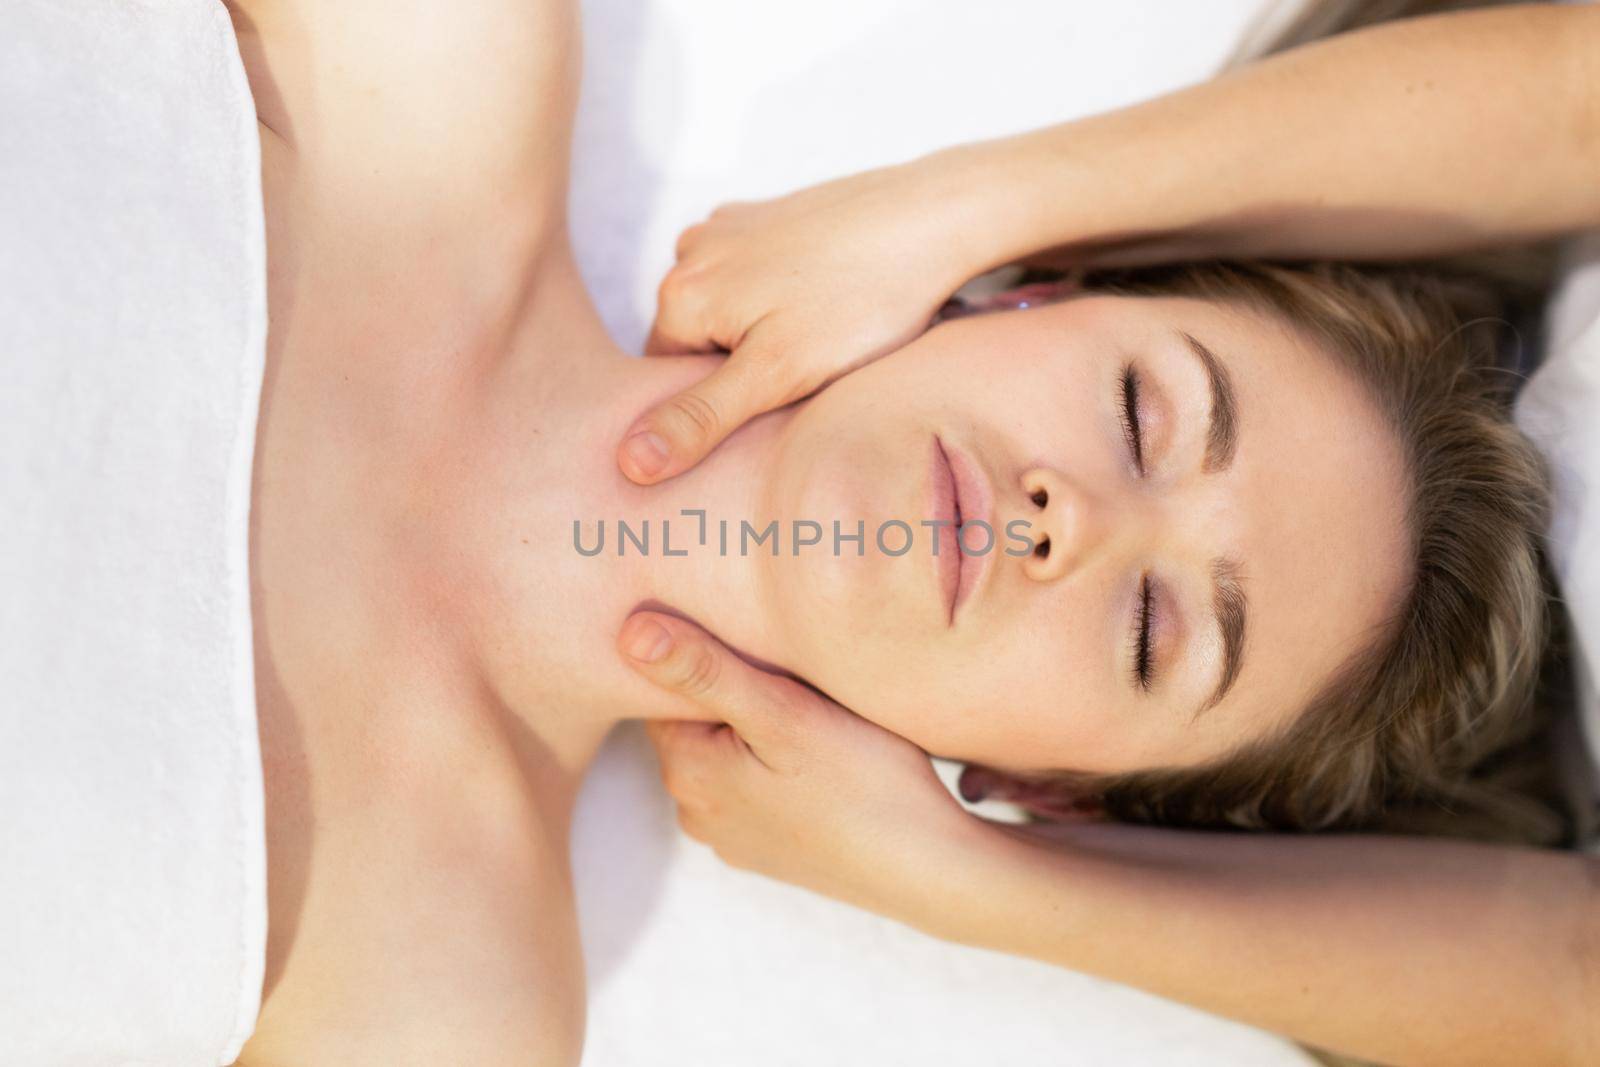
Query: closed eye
point(1142, 667)
point(1133, 431)
point(1129, 412)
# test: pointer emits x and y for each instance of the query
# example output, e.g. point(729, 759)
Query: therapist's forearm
point(1421, 137)
point(1404, 951)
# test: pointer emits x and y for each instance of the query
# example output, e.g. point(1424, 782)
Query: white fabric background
point(131, 318)
point(132, 330)
point(687, 103)
point(1559, 409)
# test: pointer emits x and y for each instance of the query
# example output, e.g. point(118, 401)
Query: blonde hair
point(1405, 732)
point(1435, 726)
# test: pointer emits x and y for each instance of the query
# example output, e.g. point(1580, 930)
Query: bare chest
point(420, 900)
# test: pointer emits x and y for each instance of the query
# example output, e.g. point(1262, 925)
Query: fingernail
point(648, 451)
point(649, 641)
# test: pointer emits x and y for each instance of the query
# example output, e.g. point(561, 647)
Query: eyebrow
point(1222, 435)
point(1229, 605)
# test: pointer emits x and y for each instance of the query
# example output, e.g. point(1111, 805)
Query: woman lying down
point(1263, 554)
point(1352, 647)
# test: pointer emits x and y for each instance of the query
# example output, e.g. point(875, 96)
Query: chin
point(860, 601)
point(845, 616)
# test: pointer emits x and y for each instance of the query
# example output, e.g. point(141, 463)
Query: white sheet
point(690, 102)
point(132, 328)
point(1559, 409)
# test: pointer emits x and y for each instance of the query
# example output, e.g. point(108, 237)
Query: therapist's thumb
point(678, 433)
point(686, 661)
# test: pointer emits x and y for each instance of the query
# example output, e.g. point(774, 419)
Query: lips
point(944, 509)
point(960, 495)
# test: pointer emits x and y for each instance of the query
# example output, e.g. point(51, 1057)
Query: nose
point(1068, 524)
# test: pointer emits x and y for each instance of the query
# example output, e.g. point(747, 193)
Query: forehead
point(1315, 504)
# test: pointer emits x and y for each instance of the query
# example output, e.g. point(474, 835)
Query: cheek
point(983, 369)
point(1037, 694)
point(1001, 702)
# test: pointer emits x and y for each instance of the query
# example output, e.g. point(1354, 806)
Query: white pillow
point(1559, 410)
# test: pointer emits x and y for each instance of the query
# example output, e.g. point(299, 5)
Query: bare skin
point(393, 779)
point(1388, 143)
point(436, 666)
point(418, 792)
point(1410, 951)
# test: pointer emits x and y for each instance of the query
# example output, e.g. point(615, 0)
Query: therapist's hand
point(798, 290)
point(794, 786)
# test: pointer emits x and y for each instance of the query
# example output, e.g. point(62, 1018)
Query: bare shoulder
point(436, 922)
point(446, 959)
point(455, 110)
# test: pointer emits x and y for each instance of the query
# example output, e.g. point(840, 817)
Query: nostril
point(1042, 549)
point(1040, 498)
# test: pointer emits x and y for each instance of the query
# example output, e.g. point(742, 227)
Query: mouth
point(960, 498)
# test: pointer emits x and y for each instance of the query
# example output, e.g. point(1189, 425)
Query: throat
point(565, 547)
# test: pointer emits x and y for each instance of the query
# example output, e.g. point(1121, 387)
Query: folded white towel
point(132, 327)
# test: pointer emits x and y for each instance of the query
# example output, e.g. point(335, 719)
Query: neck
point(566, 547)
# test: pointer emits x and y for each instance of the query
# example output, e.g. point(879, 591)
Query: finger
point(689, 663)
point(672, 709)
point(660, 343)
point(685, 742)
point(678, 433)
point(672, 734)
point(691, 754)
point(687, 238)
point(682, 322)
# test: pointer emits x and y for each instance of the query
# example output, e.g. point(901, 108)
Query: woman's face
point(1205, 517)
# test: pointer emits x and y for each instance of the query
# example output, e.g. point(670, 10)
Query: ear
point(1044, 799)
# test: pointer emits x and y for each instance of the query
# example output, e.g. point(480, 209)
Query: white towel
point(132, 327)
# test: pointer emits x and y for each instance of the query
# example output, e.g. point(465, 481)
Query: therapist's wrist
point(969, 192)
point(1065, 190)
point(1107, 190)
point(987, 879)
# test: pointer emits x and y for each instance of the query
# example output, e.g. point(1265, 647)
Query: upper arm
point(456, 109)
point(1585, 42)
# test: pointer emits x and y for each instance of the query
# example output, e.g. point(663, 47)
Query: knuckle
point(688, 237)
point(677, 288)
point(697, 411)
point(684, 280)
point(698, 669)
